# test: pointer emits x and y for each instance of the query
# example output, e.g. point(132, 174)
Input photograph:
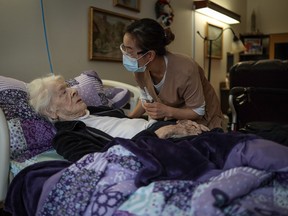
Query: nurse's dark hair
point(150, 35)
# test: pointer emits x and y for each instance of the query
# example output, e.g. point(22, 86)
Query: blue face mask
point(131, 64)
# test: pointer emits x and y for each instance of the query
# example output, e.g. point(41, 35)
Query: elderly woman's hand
point(181, 129)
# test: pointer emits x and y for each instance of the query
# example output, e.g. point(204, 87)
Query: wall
point(23, 52)
point(271, 16)
point(218, 66)
point(22, 46)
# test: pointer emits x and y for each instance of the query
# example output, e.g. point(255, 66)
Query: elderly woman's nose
point(74, 91)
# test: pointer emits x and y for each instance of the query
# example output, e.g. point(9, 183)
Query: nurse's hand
point(156, 110)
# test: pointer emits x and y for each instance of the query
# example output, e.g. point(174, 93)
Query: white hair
point(39, 93)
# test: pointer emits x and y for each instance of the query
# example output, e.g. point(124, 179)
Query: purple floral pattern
point(29, 138)
point(109, 189)
point(30, 134)
point(238, 191)
point(90, 88)
point(95, 185)
point(14, 104)
point(18, 144)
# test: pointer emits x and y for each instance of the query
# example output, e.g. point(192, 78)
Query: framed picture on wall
point(128, 4)
point(253, 46)
point(212, 33)
point(106, 30)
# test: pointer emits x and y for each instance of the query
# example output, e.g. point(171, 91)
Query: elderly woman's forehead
point(57, 80)
point(56, 84)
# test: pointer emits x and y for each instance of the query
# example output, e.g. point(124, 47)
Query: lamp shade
point(237, 46)
point(216, 11)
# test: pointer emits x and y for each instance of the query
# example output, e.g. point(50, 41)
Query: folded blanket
point(182, 159)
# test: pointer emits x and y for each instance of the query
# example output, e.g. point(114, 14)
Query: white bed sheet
point(16, 167)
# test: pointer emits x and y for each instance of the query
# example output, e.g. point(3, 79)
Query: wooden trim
point(214, 36)
point(276, 38)
point(131, 5)
point(106, 30)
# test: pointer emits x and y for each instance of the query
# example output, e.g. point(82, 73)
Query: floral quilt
point(104, 183)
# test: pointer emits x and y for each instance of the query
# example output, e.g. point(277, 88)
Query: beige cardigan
point(185, 85)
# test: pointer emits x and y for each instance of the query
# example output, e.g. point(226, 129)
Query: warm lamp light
point(215, 11)
point(237, 45)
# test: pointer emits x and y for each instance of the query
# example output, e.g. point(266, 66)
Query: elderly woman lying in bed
point(124, 165)
point(51, 97)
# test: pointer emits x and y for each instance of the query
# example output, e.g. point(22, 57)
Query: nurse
point(173, 86)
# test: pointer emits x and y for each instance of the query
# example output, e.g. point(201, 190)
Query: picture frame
point(106, 31)
point(253, 46)
point(214, 34)
point(133, 5)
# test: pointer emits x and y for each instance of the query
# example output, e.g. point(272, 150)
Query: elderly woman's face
point(65, 103)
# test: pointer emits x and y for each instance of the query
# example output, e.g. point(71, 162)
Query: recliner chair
point(258, 93)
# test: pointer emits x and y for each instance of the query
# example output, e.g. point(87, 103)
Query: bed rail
point(4, 156)
point(133, 89)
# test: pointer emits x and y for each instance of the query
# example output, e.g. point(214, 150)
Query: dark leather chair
point(258, 92)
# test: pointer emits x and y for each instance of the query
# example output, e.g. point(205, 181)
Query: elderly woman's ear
point(50, 113)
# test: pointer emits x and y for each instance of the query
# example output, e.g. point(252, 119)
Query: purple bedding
point(212, 174)
point(24, 192)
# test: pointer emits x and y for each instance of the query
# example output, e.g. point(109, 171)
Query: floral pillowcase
point(30, 134)
point(93, 93)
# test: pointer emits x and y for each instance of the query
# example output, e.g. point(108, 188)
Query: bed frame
point(5, 178)
point(135, 93)
point(4, 156)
